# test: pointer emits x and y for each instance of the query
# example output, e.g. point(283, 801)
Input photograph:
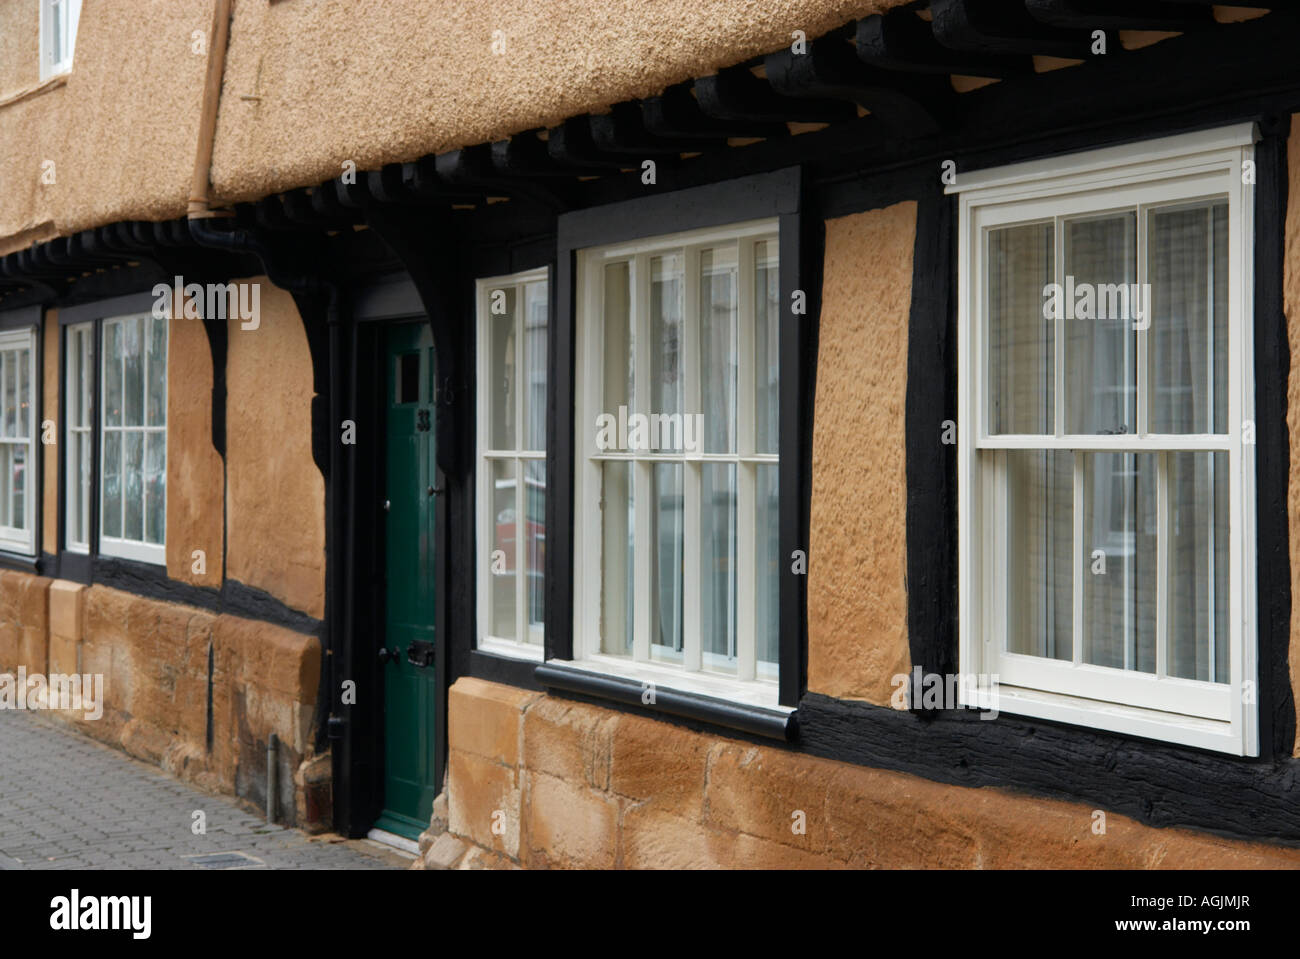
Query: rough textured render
point(118, 139)
point(857, 598)
point(195, 473)
point(20, 68)
point(1291, 301)
point(342, 80)
point(311, 85)
point(276, 494)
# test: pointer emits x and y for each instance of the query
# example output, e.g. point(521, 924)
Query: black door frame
point(375, 305)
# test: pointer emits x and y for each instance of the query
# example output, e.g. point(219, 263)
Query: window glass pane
point(111, 495)
point(85, 444)
point(766, 346)
point(407, 378)
point(113, 374)
point(157, 378)
point(73, 391)
point(133, 373)
point(1040, 553)
point(8, 463)
point(667, 537)
point(1119, 571)
point(501, 368)
point(73, 534)
point(617, 529)
point(133, 485)
point(10, 394)
point(767, 591)
point(620, 341)
point(501, 594)
point(155, 478)
point(1100, 343)
point(23, 424)
point(57, 32)
point(1188, 256)
point(718, 565)
point(534, 386)
point(666, 299)
point(535, 532)
point(79, 491)
point(18, 477)
point(84, 377)
point(7, 480)
point(718, 349)
point(1198, 566)
point(1020, 341)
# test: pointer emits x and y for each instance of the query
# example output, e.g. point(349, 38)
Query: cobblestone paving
point(67, 802)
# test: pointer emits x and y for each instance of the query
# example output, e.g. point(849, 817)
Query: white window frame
point(71, 17)
point(123, 547)
point(485, 520)
point(74, 495)
point(747, 686)
point(1196, 166)
point(12, 538)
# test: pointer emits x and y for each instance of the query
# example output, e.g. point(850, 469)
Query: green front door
point(410, 684)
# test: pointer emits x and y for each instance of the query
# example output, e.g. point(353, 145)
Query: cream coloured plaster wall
point(857, 547)
point(309, 85)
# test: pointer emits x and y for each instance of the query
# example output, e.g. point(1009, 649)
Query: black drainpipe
point(338, 639)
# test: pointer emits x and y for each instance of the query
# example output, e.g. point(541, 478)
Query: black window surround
point(777, 195)
point(73, 564)
point(19, 318)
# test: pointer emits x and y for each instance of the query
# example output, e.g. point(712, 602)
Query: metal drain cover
point(225, 860)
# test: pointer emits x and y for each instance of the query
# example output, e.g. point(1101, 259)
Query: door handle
point(420, 653)
point(387, 505)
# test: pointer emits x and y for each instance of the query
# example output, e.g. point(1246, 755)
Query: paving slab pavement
point(68, 802)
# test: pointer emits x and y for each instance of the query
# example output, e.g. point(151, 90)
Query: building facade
point(811, 433)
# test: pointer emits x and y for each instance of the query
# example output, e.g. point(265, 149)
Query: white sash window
point(18, 487)
point(1106, 472)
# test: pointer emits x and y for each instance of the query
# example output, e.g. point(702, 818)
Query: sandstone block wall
point(166, 669)
point(537, 781)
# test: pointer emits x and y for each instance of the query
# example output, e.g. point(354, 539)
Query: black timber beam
point(571, 145)
point(387, 186)
point(325, 201)
point(472, 168)
point(84, 249)
point(354, 195)
point(999, 27)
point(270, 215)
point(422, 181)
point(1121, 14)
point(736, 94)
point(299, 209)
point(526, 155)
point(1181, 74)
point(902, 41)
point(59, 252)
point(676, 113)
point(830, 69)
point(623, 131)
